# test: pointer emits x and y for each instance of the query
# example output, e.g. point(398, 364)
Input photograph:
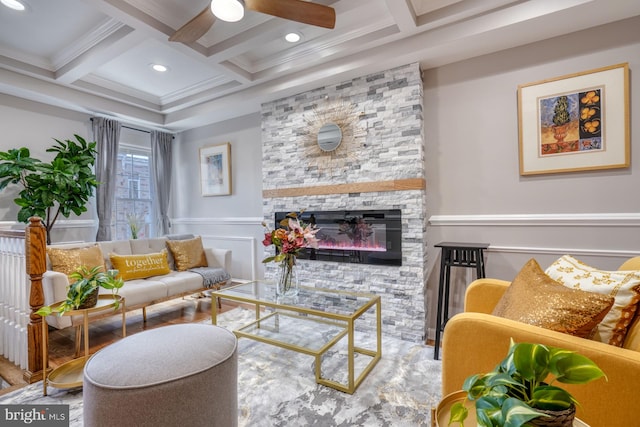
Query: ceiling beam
point(403, 13)
point(101, 53)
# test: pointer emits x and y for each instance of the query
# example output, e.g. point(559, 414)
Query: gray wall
point(34, 125)
point(233, 221)
point(475, 192)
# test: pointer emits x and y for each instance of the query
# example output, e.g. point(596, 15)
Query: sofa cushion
point(536, 299)
point(178, 282)
point(67, 260)
point(140, 266)
point(141, 291)
point(188, 253)
point(623, 286)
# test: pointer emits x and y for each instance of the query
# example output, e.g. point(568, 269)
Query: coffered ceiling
point(95, 55)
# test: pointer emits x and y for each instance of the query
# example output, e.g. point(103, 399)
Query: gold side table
point(69, 374)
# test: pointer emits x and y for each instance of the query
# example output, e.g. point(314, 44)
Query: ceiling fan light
point(227, 10)
point(293, 37)
point(13, 4)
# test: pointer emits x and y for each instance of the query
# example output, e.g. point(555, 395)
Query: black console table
point(455, 254)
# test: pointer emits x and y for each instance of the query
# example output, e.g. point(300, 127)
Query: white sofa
point(138, 293)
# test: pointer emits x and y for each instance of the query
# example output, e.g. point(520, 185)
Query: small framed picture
point(215, 170)
point(577, 122)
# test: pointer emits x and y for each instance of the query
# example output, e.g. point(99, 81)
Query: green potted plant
point(83, 293)
point(61, 187)
point(521, 388)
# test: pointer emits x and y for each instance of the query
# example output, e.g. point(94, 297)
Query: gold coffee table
point(69, 374)
point(282, 325)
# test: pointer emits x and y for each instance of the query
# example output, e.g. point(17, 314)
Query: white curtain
point(161, 171)
point(106, 133)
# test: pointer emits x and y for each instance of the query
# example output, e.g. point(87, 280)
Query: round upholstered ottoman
point(179, 375)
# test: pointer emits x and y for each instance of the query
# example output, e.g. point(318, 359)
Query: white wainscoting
point(240, 234)
point(595, 235)
point(603, 240)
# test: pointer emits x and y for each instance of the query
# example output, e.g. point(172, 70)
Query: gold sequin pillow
point(68, 260)
point(536, 299)
point(140, 266)
point(623, 286)
point(187, 253)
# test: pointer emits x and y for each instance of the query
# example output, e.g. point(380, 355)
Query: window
point(134, 187)
point(132, 210)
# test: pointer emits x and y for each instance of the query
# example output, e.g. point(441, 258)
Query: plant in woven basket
point(83, 293)
point(521, 391)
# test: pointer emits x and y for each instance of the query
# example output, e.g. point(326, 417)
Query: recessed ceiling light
point(227, 10)
point(159, 68)
point(293, 37)
point(13, 4)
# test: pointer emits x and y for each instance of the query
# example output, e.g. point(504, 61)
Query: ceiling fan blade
point(195, 28)
point(295, 10)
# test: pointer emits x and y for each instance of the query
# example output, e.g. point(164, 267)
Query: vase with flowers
point(289, 239)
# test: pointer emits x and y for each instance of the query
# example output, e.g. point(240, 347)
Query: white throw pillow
point(624, 286)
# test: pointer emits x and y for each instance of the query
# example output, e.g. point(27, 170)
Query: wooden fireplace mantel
point(356, 187)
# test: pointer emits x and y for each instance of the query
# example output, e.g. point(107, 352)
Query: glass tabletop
point(309, 299)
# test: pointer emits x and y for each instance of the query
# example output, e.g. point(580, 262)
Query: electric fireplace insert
point(354, 236)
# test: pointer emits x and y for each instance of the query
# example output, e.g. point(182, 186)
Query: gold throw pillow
point(68, 260)
point(140, 266)
point(188, 253)
point(623, 286)
point(536, 299)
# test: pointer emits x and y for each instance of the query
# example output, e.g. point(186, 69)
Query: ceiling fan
point(233, 10)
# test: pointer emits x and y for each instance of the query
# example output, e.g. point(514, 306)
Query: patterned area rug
point(276, 387)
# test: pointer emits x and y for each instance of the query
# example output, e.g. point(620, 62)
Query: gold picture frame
point(215, 170)
point(577, 122)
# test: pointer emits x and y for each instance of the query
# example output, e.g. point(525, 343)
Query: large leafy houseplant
point(86, 282)
point(61, 187)
point(523, 385)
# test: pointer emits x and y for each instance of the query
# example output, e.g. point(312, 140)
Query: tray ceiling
point(95, 55)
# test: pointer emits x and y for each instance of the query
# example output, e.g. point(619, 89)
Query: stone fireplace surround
point(385, 171)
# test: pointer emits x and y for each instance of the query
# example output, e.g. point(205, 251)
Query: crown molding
point(109, 26)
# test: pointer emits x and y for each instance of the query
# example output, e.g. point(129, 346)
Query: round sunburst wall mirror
point(329, 137)
point(333, 134)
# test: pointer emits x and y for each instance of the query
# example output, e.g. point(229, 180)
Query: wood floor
point(191, 309)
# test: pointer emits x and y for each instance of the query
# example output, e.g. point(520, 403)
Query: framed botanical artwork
point(215, 170)
point(576, 122)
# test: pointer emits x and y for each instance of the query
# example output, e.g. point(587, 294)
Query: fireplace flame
point(349, 246)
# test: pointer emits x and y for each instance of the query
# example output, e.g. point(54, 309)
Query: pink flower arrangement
point(289, 241)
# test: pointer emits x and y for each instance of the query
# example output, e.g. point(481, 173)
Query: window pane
point(132, 207)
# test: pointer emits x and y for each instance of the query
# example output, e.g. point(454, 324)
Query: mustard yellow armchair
point(475, 341)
